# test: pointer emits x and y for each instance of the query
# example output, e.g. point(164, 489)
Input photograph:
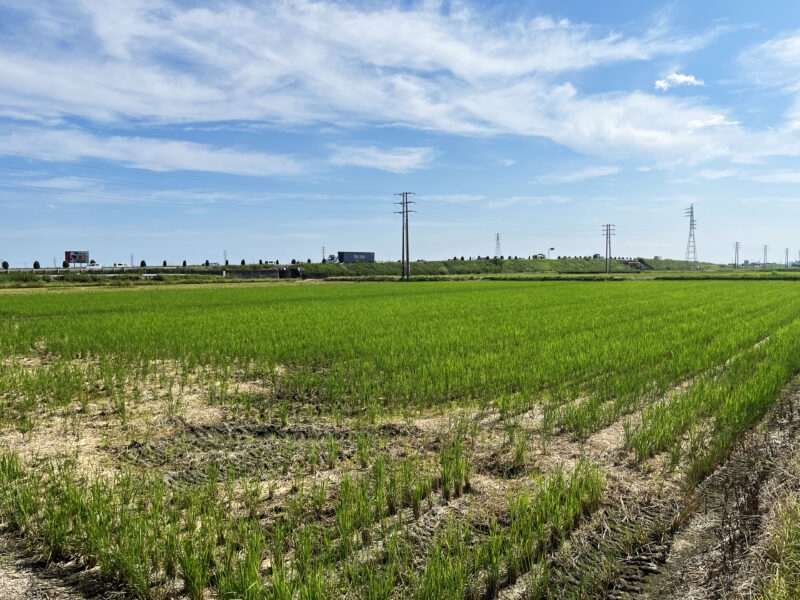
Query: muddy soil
point(245, 448)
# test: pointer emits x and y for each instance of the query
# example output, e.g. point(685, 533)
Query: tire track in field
point(716, 553)
point(26, 576)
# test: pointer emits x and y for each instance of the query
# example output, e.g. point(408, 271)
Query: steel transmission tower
point(608, 231)
point(497, 251)
point(765, 247)
point(405, 261)
point(736, 247)
point(691, 247)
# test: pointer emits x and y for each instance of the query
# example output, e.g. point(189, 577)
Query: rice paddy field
point(457, 440)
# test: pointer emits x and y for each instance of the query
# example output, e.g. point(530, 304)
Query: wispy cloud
point(453, 198)
point(676, 79)
point(60, 183)
point(580, 175)
point(778, 176)
point(394, 160)
point(144, 153)
point(304, 62)
point(718, 173)
point(774, 62)
point(529, 200)
point(711, 121)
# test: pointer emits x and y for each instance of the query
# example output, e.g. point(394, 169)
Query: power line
point(691, 247)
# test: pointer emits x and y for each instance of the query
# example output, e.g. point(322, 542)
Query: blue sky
point(177, 130)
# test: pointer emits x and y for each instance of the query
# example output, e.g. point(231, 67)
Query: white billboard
point(77, 256)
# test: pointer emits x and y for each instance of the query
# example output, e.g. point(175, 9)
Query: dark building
point(352, 257)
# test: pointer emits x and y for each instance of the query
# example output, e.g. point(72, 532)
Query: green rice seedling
point(419, 492)
point(251, 495)
point(446, 479)
point(448, 565)
point(240, 578)
point(171, 550)
point(392, 492)
point(195, 558)
point(173, 404)
point(369, 582)
point(278, 545)
point(283, 413)
point(303, 544)
point(313, 456)
point(346, 525)
point(296, 509)
point(314, 586)
point(710, 359)
point(493, 553)
point(408, 475)
point(520, 450)
point(455, 470)
point(282, 587)
point(298, 479)
point(379, 484)
point(318, 494)
point(56, 525)
point(332, 449)
point(365, 511)
point(560, 501)
point(363, 445)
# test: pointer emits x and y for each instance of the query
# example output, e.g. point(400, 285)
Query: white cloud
point(775, 61)
point(453, 198)
point(779, 176)
point(507, 162)
point(761, 200)
point(588, 173)
point(394, 160)
point(676, 79)
point(144, 153)
point(529, 200)
point(309, 62)
point(711, 121)
point(292, 64)
point(61, 183)
point(718, 173)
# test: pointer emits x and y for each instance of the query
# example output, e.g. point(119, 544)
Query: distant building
point(353, 257)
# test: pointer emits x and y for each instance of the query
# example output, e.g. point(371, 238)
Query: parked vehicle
point(120, 265)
